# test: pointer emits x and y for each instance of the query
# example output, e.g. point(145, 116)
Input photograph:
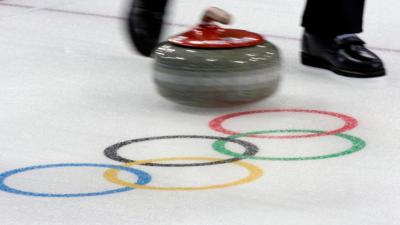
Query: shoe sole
point(313, 61)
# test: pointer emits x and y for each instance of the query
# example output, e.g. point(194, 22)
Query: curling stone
point(211, 66)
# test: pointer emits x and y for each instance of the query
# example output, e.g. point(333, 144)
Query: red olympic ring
point(350, 122)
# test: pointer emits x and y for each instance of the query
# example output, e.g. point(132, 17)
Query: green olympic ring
point(357, 145)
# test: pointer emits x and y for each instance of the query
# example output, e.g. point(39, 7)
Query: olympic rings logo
point(143, 179)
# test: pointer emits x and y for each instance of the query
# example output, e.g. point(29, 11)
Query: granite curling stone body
point(214, 67)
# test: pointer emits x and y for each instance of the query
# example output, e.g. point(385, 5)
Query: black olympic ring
point(112, 151)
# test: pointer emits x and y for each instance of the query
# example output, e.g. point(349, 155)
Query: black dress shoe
point(145, 22)
point(347, 56)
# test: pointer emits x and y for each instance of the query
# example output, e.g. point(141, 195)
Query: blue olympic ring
point(143, 178)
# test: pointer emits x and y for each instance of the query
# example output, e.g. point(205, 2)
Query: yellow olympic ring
point(112, 175)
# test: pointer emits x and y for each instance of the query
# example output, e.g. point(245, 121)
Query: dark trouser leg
point(154, 5)
point(145, 22)
point(333, 17)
